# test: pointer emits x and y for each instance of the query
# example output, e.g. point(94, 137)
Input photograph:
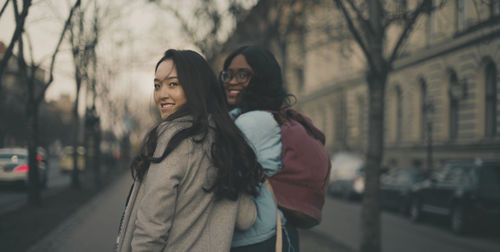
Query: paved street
point(12, 197)
point(94, 226)
point(341, 221)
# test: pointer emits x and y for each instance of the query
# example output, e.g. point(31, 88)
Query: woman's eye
point(172, 84)
point(157, 86)
point(243, 75)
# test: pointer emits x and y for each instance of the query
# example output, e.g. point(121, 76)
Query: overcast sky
point(145, 32)
point(135, 24)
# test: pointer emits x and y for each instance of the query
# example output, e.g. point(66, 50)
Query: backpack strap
point(288, 114)
point(279, 238)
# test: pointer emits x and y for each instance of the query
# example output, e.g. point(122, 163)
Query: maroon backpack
point(300, 186)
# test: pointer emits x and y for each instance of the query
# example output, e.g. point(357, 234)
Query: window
point(399, 113)
point(403, 178)
point(494, 8)
point(361, 119)
point(453, 112)
point(430, 27)
point(454, 176)
point(341, 124)
point(491, 100)
point(460, 15)
point(489, 184)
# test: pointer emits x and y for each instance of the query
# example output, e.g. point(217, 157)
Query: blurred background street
point(406, 92)
point(93, 227)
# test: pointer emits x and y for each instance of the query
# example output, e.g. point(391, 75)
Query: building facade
point(441, 96)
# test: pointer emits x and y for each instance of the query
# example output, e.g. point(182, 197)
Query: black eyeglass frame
point(240, 79)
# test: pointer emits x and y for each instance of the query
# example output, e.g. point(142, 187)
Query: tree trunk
point(370, 216)
point(376, 77)
point(284, 59)
point(34, 196)
point(96, 162)
point(75, 174)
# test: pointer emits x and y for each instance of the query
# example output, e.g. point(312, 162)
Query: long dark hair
point(237, 167)
point(265, 90)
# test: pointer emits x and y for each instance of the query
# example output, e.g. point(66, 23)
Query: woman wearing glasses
point(194, 168)
point(252, 80)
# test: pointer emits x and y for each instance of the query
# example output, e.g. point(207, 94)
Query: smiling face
point(168, 93)
point(233, 87)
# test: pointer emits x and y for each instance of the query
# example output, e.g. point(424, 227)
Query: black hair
point(237, 167)
point(266, 90)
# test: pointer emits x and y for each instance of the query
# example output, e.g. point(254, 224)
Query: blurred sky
point(133, 39)
point(135, 24)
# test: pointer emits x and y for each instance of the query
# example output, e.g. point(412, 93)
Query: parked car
point(66, 159)
point(465, 192)
point(347, 177)
point(14, 165)
point(396, 187)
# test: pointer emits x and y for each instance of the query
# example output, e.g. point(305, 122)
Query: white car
point(14, 166)
point(347, 177)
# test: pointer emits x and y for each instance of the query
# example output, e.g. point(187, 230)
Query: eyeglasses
point(241, 76)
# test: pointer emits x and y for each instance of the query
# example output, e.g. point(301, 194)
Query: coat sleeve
point(263, 134)
point(247, 213)
point(157, 208)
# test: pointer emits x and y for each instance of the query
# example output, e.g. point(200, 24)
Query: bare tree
point(288, 19)
point(36, 94)
point(83, 40)
point(204, 23)
point(20, 18)
point(368, 22)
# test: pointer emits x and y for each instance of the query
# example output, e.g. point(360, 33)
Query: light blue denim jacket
point(263, 134)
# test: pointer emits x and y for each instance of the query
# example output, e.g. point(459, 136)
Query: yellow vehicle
point(66, 159)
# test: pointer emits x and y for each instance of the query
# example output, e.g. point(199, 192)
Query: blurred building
point(13, 100)
point(443, 88)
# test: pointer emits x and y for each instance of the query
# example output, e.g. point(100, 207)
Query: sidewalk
point(314, 241)
point(23, 225)
point(93, 226)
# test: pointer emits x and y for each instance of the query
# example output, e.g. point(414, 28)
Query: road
point(12, 197)
point(341, 222)
point(94, 228)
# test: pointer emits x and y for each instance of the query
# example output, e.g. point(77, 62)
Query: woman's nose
point(233, 80)
point(163, 92)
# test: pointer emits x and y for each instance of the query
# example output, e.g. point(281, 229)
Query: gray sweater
point(170, 210)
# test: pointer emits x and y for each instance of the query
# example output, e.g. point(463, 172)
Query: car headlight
point(359, 185)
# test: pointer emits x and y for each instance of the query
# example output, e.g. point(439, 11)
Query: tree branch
point(183, 22)
point(290, 22)
point(409, 24)
point(4, 7)
point(56, 50)
point(30, 47)
point(362, 21)
point(355, 33)
point(20, 20)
